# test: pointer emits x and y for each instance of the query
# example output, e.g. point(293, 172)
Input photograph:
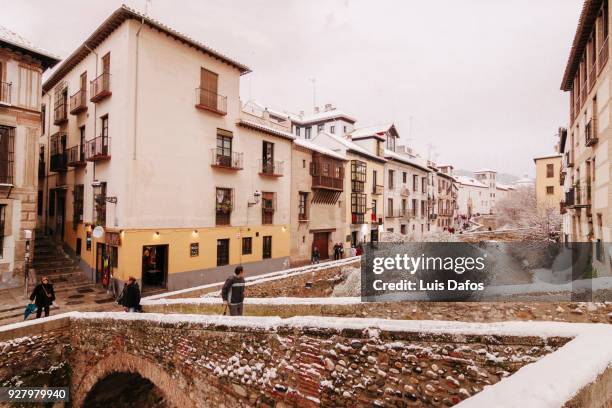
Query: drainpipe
point(136, 90)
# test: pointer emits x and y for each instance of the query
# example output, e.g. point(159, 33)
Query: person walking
point(43, 296)
point(336, 251)
point(233, 292)
point(340, 250)
point(314, 259)
point(130, 296)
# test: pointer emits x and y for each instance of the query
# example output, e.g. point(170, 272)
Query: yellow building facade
point(549, 190)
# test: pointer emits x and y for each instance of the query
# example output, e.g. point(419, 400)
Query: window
point(43, 116)
point(209, 83)
point(390, 207)
point(303, 206)
point(82, 143)
point(77, 214)
point(222, 252)
point(307, 132)
point(106, 63)
point(391, 179)
point(247, 246)
point(404, 177)
point(550, 170)
point(358, 175)
point(332, 129)
point(100, 204)
point(223, 152)
point(320, 128)
point(268, 206)
point(114, 257)
point(297, 131)
point(415, 207)
point(267, 158)
point(267, 247)
point(550, 190)
point(374, 180)
point(424, 184)
point(345, 129)
point(391, 143)
point(358, 207)
point(40, 203)
point(415, 182)
point(2, 226)
point(403, 229)
point(423, 207)
point(29, 88)
point(7, 141)
point(51, 206)
point(223, 205)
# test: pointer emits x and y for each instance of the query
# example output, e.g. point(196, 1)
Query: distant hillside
point(503, 178)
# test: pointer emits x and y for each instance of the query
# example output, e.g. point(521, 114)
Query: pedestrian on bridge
point(43, 296)
point(233, 292)
point(130, 296)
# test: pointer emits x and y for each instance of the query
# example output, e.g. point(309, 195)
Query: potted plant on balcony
point(224, 207)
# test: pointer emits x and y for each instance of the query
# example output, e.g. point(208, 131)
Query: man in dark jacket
point(233, 292)
point(43, 296)
point(130, 298)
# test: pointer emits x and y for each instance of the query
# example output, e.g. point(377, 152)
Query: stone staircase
point(73, 289)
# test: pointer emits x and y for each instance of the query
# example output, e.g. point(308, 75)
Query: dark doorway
point(79, 243)
point(155, 266)
point(354, 239)
point(222, 252)
point(321, 241)
point(60, 197)
point(267, 247)
point(125, 390)
point(102, 265)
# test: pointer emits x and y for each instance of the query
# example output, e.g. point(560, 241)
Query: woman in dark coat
point(43, 296)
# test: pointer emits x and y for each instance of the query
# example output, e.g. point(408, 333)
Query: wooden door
point(83, 81)
point(321, 241)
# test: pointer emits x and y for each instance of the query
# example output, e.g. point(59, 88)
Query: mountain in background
point(504, 178)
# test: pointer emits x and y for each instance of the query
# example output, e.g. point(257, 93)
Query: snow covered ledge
point(579, 374)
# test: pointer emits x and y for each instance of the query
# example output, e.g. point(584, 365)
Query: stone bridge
point(204, 361)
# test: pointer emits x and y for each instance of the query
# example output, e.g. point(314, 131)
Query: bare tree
point(520, 210)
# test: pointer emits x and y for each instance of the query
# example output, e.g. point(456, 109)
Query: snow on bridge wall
point(212, 360)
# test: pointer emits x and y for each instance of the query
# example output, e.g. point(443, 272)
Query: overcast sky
point(479, 78)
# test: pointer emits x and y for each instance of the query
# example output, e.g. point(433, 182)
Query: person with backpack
point(43, 296)
point(130, 296)
point(233, 292)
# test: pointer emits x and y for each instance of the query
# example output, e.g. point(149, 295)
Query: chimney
point(316, 109)
point(328, 107)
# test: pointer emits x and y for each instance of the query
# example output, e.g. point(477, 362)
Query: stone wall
point(35, 356)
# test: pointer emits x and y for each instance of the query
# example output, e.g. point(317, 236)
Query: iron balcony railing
point(98, 149)
point(76, 156)
point(5, 92)
point(377, 189)
point(78, 102)
point(270, 168)
point(58, 162)
point(569, 198)
point(60, 112)
point(232, 160)
point(395, 213)
point(211, 101)
point(603, 55)
point(590, 133)
point(100, 87)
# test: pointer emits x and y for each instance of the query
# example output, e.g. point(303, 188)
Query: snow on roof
point(264, 128)
point(255, 106)
point(350, 145)
point(12, 38)
point(485, 170)
point(323, 150)
point(524, 181)
point(371, 130)
point(469, 181)
point(504, 186)
point(413, 161)
point(323, 115)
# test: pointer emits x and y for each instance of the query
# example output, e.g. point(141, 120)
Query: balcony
point(5, 93)
point(359, 218)
point(211, 101)
point(405, 191)
point(100, 88)
point(60, 113)
point(590, 134)
point(76, 156)
point(98, 149)
point(582, 196)
point(602, 58)
point(377, 189)
point(231, 161)
point(78, 102)
point(58, 162)
point(223, 217)
point(433, 216)
point(327, 173)
point(396, 213)
point(569, 160)
point(271, 168)
point(569, 198)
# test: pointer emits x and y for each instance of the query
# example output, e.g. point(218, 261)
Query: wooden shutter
point(209, 80)
point(84, 80)
point(106, 63)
